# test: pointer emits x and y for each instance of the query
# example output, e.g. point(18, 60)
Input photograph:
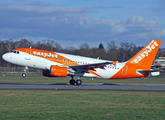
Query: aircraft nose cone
point(5, 57)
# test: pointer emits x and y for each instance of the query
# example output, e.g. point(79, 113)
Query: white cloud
point(161, 33)
point(37, 7)
point(70, 24)
point(138, 21)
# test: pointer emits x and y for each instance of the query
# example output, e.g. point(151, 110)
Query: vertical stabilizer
point(146, 56)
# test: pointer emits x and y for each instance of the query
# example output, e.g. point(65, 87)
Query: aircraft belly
point(106, 73)
point(101, 73)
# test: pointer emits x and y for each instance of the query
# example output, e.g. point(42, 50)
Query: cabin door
point(28, 54)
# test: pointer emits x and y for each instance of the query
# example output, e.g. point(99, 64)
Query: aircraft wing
point(90, 66)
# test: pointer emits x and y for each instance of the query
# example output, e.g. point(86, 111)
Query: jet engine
point(56, 71)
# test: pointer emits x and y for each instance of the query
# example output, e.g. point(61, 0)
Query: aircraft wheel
point(78, 82)
point(23, 74)
point(72, 82)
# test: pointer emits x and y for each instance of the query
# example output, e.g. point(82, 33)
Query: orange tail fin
point(146, 56)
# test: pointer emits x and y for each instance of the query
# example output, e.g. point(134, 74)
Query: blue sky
point(74, 22)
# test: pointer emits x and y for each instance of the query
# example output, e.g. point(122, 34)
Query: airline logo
point(45, 54)
point(147, 50)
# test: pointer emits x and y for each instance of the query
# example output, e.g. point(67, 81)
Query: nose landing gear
point(24, 72)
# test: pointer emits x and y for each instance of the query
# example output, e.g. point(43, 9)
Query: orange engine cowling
point(58, 71)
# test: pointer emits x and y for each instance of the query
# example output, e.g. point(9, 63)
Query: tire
point(23, 74)
point(72, 82)
point(78, 82)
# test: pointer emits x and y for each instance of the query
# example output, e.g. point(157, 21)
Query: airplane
point(55, 64)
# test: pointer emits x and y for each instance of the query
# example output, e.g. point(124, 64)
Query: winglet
point(146, 56)
point(115, 62)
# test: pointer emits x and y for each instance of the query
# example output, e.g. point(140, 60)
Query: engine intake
point(46, 73)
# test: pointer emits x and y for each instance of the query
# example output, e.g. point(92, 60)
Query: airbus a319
point(55, 64)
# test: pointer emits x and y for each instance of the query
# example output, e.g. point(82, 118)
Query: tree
point(16, 44)
point(124, 50)
point(25, 43)
point(112, 51)
point(84, 49)
point(9, 45)
point(101, 46)
point(101, 51)
point(111, 46)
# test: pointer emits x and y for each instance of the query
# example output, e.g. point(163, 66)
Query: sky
point(74, 22)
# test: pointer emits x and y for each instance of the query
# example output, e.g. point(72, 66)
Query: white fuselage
point(36, 61)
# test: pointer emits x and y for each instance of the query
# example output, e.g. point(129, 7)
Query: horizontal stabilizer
point(151, 72)
point(148, 71)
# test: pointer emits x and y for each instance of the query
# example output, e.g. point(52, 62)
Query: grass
point(13, 79)
point(82, 105)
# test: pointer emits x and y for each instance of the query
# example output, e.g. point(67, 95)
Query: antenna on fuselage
point(30, 47)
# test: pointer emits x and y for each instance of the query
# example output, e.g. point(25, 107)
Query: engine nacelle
point(58, 71)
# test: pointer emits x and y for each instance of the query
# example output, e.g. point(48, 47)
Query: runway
point(84, 86)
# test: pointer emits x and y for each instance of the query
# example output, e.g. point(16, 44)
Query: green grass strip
point(81, 105)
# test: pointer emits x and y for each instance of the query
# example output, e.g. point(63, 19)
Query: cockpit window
point(16, 52)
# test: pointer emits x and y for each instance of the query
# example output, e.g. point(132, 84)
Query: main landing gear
point(78, 82)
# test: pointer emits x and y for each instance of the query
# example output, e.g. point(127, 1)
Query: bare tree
point(16, 44)
point(112, 51)
point(124, 50)
point(9, 44)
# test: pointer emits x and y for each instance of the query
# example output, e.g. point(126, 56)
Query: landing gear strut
point(24, 72)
